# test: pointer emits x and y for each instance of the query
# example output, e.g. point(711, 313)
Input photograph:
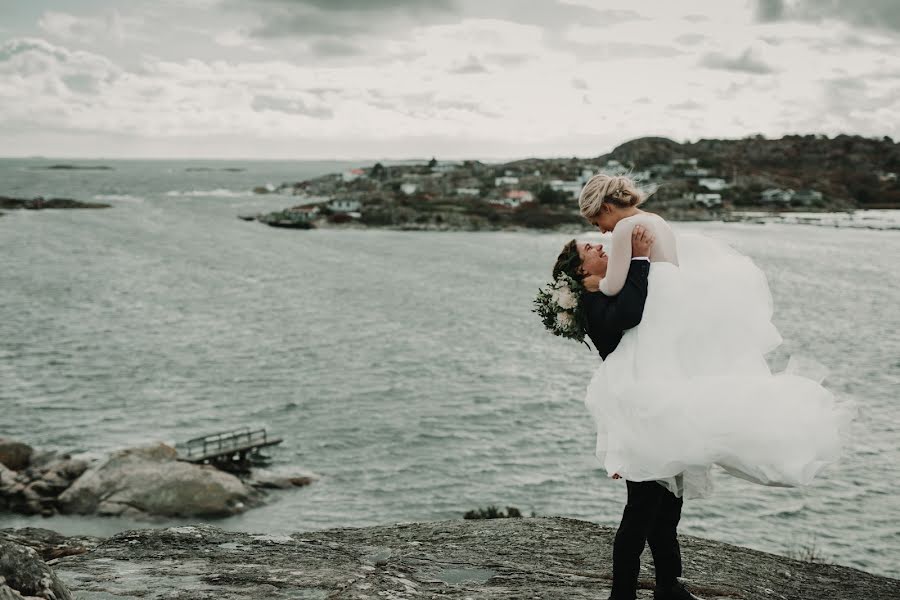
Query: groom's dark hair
point(569, 262)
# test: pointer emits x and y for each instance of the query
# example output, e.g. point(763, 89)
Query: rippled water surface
point(404, 369)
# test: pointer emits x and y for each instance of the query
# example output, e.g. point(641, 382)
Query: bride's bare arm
point(619, 259)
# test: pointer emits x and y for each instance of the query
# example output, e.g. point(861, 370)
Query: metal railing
point(224, 442)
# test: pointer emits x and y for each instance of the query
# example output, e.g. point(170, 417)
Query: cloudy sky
point(452, 78)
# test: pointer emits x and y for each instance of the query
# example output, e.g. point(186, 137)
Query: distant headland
point(705, 180)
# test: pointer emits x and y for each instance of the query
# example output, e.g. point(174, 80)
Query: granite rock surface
point(539, 558)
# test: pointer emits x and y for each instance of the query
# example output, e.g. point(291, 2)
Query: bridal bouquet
point(559, 306)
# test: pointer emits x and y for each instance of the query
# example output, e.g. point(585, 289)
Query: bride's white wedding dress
point(689, 387)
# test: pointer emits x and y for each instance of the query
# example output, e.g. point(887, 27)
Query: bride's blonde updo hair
point(618, 190)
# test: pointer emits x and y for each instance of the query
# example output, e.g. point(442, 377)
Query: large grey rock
point(150, 481)
point(24, 572)
point(536, 558)
point(15, 455)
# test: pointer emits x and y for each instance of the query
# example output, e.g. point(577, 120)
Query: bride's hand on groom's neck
point(592, 283)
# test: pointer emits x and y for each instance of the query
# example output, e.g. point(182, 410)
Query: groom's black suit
point(609, 316)
point(652, 512)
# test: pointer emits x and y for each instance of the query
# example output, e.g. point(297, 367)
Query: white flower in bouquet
point(565, 298)
point(565, 320)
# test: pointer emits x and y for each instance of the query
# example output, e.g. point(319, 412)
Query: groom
point(652, 512)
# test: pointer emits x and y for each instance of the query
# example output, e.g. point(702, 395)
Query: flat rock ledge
point(539, 558)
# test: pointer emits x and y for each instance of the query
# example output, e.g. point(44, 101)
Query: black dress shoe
point(676, 592)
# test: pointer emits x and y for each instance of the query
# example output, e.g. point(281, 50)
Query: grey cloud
point(867, 13)
point(330, 47)
point(691, 39)
point(769, 10)
point(471, 65)
point(745, 63)
point(472, 107)
point(686, 105)
point(290, 106)
point(288, 18)
point(507, 59)
point(82, 83)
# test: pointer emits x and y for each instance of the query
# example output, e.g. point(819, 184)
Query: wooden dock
point(229, 450)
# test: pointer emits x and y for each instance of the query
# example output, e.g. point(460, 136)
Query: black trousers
point(651, 517)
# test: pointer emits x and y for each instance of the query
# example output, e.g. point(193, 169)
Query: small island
point(699, 181)
point(70, 167)
point(41, 203)
point(213, 169)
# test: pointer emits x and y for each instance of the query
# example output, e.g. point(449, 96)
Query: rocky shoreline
point(541, 558)
point(143, 483)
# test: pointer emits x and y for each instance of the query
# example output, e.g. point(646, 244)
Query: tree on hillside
point(550, 197)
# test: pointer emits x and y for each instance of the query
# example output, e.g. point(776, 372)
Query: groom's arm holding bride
point(608, 317)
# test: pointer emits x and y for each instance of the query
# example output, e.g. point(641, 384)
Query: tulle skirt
point(690, 388)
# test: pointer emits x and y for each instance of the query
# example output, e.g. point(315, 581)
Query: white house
point(708, 200)
point(571, 187)
point(352, 175)
point(777, 195)
point(505, 180)
point(640, 175)
point(408, 188)
point(520, 196)
point(715, 184)
point(344, 206)
point(306, 212)
point(807, 197)
point(513, 198)
point(468, 191)
point(614, 167)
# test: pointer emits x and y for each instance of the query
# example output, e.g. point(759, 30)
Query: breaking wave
point(217, 193)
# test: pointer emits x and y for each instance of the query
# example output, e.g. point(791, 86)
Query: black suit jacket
point(609, 316)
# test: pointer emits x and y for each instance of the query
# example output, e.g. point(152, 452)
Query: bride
point(684, 384)
point(690, 387)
